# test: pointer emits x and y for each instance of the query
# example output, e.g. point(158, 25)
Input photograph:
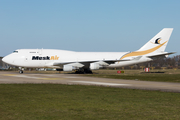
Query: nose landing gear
point(20, 70)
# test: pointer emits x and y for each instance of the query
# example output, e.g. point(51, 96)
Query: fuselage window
point(32, 52)
point(15, 51)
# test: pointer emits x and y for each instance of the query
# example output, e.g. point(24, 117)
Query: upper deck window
point(15, 51)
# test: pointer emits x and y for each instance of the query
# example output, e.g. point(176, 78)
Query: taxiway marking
point(102, 83)
point(25, 76)
point(50, 78)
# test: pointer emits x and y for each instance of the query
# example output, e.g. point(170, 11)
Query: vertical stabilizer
point(159, 42)
point(155, 46)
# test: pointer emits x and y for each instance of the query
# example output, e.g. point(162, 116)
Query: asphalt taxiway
point(15, 77)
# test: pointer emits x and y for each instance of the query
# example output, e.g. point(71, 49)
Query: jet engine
point(94, 66)
point(68, 68)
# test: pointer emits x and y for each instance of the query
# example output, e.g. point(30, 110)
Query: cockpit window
point(15, 51)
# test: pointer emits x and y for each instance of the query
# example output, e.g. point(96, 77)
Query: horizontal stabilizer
point(160, 55)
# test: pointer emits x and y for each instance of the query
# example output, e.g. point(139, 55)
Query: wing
point(85, 64)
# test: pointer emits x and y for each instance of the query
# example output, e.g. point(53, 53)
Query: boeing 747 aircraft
point(85, 62)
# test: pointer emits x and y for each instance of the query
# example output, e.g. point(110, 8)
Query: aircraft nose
point(6, 60)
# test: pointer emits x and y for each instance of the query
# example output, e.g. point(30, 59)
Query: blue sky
point(86, 25)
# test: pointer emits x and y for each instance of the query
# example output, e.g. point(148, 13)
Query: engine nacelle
point(68, 68)
point(94, 66)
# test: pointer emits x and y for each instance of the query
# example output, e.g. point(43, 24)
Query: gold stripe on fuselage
point(138, 53)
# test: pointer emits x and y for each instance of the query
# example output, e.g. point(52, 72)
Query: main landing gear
point(83, 71)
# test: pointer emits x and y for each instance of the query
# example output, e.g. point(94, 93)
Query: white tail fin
point(161, 40)
point(155, 46)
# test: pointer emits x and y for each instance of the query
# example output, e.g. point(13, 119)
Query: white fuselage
point(43, 58)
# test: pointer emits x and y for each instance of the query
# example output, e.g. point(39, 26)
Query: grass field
point(75, 102)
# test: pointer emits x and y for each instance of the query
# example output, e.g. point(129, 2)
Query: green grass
point(76, 102)
point(168, 75)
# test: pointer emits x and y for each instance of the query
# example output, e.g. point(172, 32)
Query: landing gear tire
point(20, 71)
point(79, 72)
point(88, 71)
point(83, 71)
